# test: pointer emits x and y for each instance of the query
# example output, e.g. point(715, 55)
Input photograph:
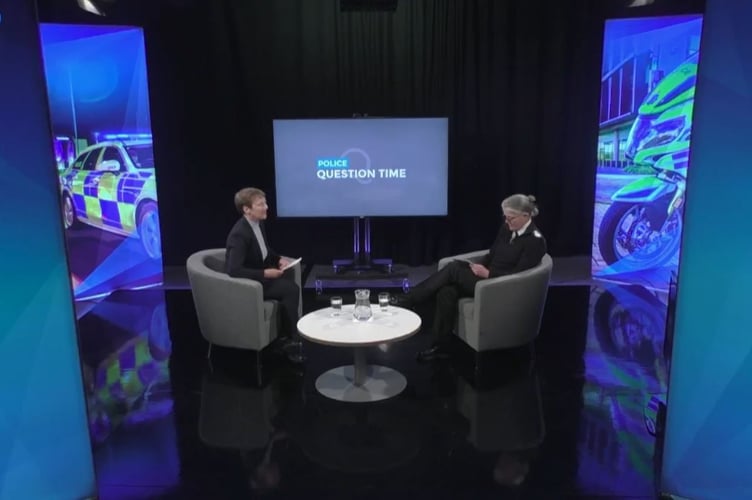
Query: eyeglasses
point(510, 218)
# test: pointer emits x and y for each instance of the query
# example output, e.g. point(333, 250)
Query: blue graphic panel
point(708, 431)
point(647, 98)
point(44, 443)
point(99, 102)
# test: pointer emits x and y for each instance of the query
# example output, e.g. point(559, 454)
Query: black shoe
point(401, 300)
point(291, 345)
point(295, 358)
point(290, 349)
point(435, 352)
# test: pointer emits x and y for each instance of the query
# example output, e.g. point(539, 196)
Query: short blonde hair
point(521, 203)
point(246, 196)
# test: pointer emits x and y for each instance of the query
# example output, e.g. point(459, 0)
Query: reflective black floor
point(575, 422)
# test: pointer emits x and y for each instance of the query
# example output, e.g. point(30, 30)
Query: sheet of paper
point(292, 263)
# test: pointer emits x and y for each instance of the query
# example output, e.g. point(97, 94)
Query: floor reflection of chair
point(239, 415)
point(236, 416)
point(507, 419)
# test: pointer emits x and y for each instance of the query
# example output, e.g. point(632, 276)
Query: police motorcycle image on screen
point(99, 107)
point(644, 147)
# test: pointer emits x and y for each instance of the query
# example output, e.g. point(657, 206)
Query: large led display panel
point(44, 444)
point(708, 446)
point(648, 80)
point(99, 104)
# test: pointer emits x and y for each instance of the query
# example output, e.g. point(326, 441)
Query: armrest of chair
point(515, 300)
point(476, 257)
point(494, 289)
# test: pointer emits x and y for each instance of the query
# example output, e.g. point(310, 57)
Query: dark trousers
point(287, 292)
point(451, 283)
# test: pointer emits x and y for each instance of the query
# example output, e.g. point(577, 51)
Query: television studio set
point(375, 249)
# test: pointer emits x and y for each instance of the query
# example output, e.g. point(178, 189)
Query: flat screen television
point(361, 167)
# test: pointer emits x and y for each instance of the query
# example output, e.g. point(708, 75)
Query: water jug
point(362, 309)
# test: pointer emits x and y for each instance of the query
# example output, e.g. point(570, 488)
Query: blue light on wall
point(44, 442)
point(708, 443)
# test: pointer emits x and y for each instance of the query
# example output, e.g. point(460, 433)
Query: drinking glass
point(384, 301)
point(336, 303)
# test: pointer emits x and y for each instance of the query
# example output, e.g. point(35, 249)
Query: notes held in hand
point(290, 264)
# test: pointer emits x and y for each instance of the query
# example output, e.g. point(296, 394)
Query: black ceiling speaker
point(370, 5)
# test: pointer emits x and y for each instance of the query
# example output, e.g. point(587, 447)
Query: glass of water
point(384, 301)
point(336, 303)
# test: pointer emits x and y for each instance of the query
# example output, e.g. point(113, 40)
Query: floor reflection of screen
point(625, 348)
point(625, 376)
point(125, 348)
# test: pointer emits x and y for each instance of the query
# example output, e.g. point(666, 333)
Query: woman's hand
point(272, 273)
point(479, 270)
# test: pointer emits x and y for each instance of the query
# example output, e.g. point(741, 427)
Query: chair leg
point(208, 353)
point(258, 367)
point(531, 366)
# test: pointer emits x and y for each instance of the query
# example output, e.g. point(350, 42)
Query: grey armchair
point(505, 311)
point(231, 312)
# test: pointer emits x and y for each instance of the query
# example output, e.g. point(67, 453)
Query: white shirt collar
point(522, 230)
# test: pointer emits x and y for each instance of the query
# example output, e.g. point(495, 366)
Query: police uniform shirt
point(514, 252)
point(521, 230)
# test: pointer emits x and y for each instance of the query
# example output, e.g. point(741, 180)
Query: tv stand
point(362, 262)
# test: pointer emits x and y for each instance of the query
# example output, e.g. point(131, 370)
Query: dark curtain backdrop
point(518, 79)
point(519, 82)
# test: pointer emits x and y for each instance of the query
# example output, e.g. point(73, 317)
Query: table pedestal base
point(379, 382)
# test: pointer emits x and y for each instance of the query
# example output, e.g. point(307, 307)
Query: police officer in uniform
point(518, 246)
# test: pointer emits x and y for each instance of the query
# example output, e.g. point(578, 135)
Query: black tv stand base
point(351, 266)
point(361, 267)
point(351, 273)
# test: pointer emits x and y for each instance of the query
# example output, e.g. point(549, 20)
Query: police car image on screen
point(98, 95)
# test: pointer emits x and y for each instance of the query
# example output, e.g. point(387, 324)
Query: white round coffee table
point(359, 382)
